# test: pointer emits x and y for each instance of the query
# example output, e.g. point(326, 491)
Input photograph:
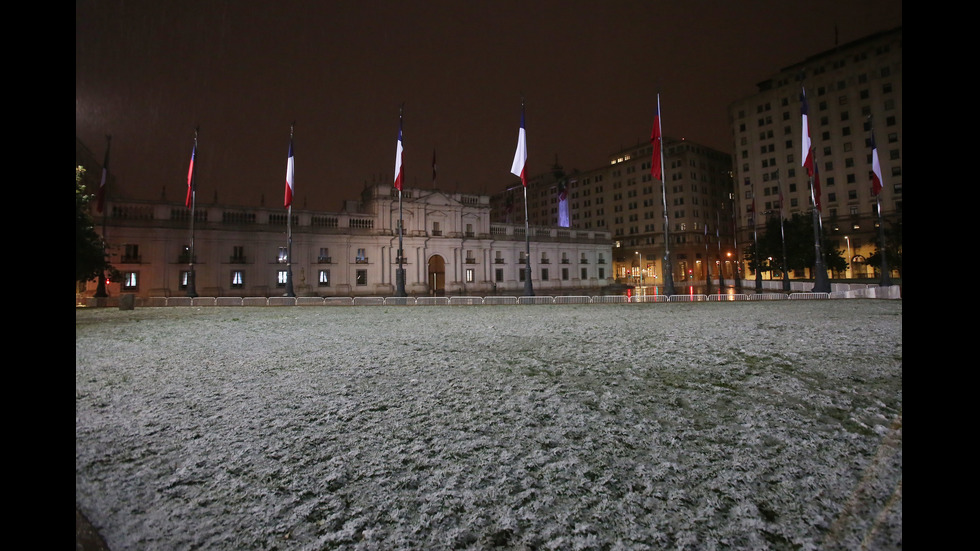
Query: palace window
point(130, 281)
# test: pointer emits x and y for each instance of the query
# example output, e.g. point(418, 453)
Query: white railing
point(870, 292)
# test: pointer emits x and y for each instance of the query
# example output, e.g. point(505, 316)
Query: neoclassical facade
point(450, 248)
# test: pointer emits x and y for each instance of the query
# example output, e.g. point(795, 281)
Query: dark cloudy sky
point(149, 73)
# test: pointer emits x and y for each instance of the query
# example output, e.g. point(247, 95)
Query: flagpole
point(289, 222)
point(876, 171)
point(100, 290)
point(782, 236)
point(192, 189)
point(721, 260)
point(528, 286)
point(707, 262)
point(400, 271)
point(820, 282)
point(737, 268)
point(755, 239)
point(668, 269)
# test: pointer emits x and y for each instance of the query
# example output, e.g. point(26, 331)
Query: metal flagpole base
point(400, 283)
point(528, 289)
point(191, 287)
point(289, 283)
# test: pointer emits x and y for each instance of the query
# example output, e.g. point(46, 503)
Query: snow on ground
point(751, 425)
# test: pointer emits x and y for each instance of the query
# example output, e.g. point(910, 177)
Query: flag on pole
point(100, 195)
point(656, 139)
point(433, 167)
point(190, 176)
point(520, 156)
point(290, 168)
point(876, 181)
point(807, 150)
point(399, 153)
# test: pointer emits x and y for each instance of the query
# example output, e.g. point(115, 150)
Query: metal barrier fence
point(463, 300)
point(869, 292)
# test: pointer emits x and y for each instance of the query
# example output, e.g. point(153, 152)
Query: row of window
point(130, 255)
point(130, 280)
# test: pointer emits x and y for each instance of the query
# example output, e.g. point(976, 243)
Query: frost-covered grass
point(758, 425)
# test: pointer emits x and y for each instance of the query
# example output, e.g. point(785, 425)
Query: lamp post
point(640, 255)
point(849, 272)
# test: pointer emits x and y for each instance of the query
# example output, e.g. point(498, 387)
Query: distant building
point(623, 198)
point(850, 89)
point(450, 247)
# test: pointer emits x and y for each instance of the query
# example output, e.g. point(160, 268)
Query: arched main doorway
point(437, 275)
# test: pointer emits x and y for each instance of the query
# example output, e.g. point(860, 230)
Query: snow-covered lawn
point(750, 425)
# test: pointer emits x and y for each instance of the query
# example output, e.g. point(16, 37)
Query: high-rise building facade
point(623, 198)
point(852, 90)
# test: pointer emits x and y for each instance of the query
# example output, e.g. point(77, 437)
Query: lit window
point(237, 279)
point(129, 281)
point(324, 278)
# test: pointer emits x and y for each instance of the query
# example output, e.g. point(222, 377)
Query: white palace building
point(450, 248)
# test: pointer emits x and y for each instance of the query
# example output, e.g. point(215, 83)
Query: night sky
point(149, 73)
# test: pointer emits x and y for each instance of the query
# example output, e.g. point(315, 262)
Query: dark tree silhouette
point(90, 259)
point(800, 253)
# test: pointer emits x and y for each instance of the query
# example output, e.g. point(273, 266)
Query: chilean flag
point(876, 181)
point(520, 156)
point(807, 146)
point(656, 139)
point(399, 153)
point(190, 177)
point(290, 167)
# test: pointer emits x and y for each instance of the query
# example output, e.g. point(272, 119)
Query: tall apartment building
point(851, 90)
point(624, 199)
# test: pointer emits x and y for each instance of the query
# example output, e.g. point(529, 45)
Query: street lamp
point(640, 264)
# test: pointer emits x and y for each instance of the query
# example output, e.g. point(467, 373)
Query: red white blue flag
point(807, 150)
point(190, 176)
point(876, 181)
point(290, 167)
point(520, 156)
point(399, 153)
point(656, 140)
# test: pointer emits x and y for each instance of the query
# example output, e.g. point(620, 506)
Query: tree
point(800, 252)
point(893, 247)
point(90, 259)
